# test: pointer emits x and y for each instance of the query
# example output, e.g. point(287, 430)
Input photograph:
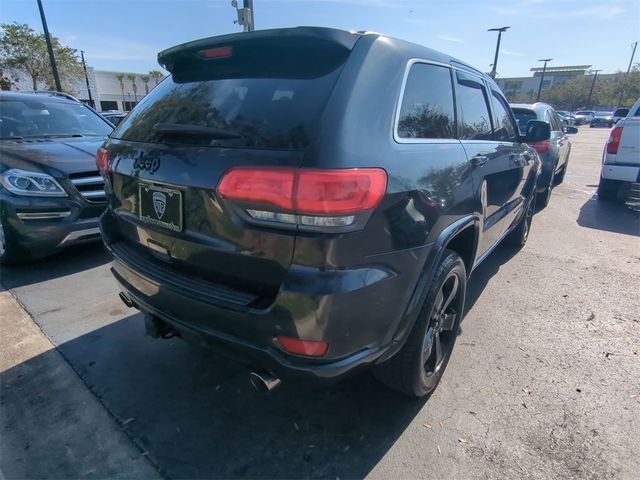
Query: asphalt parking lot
point(544, 381)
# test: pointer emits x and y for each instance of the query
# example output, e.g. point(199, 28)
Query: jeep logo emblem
point(151, 165)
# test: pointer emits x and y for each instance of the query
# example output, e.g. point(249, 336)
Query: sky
point(127, 35)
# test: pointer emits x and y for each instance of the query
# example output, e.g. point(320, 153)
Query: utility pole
point(624, 81)
point(495, 60)
point(593, 84)
point(52, 58)
point(86, 77)
point(245, 14)
point(544, 69)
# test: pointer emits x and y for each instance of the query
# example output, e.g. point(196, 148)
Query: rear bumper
point(624, 173)
point(355, 310)
point(43, 225)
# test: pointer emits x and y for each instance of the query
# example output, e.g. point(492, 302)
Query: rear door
point(488, 157)
point(516, 160)
point(252, 103)
point(558, 139)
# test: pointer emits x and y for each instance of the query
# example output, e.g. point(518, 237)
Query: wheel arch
point(462, 237)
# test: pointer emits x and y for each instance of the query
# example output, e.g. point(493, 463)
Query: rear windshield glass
point(522, 117)
point(238, 111)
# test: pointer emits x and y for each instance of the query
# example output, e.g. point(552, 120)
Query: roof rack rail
point(53, 93)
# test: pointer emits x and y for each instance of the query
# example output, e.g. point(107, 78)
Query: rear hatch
point(238, 100)
point(629, 147)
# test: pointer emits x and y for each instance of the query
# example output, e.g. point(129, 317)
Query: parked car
point(602, 118)
point(114, 116)
point(619, 114)
point(554, 152)
point(567, 118)
point(261, 203)
point(621, 156)
point(51, 193)
point(584, 116)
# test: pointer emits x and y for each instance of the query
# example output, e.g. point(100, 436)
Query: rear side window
point(475, 121)
point(523, 116)
point(427, 109)
point(238, 104)
point(505, 131)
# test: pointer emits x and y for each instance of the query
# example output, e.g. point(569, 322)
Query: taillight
point(306, 197)
point(541, 147)
point(614, 140)
point(310, 348)
point(102, 160)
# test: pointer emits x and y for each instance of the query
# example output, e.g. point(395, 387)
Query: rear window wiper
point(187, 130)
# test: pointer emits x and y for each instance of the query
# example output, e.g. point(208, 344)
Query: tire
point(520, 234)
point(559, 177)
point(608, 190)
point(543, 198)
point(10, 251)
point(417, 368)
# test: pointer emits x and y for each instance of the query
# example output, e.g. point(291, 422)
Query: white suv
point(621, 156)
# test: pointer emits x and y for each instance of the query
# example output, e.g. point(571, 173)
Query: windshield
point(40, 117)
point(522, 117)
point(584, 113)
point(604, 114)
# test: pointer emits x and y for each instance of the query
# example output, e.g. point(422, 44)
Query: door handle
point(479, 160)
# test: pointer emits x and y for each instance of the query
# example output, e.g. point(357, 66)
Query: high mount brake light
point(614, 140)
point(309, 197)
point(218, 52)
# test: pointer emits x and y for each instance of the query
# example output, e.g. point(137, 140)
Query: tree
point(156, 75)
point(132, 78)
point(120, 77)
point(24, 51)
point(145, 80)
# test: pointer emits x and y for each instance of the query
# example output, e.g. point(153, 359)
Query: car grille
point(90, 185)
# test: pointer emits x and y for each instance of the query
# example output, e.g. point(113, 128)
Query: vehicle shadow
point(66, 262)
point(485, 272)
point(609, 216)
point(197, 416)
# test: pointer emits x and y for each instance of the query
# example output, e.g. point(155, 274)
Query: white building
point(107, 92)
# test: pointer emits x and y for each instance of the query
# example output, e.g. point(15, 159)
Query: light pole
point(544, 69)
point(86, 77)
point(495, 59)
point(593, 84)
point(624, 80)
point(245, 14)
point(52, 58)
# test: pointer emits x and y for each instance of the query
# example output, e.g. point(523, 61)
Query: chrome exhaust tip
point(264, 381)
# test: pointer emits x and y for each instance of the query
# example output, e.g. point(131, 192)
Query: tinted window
point(523, 116)
point(427, 109)
point(44, 117)
point(505, 131)
point(549, 117)
point(475, 123)
point(276, 109)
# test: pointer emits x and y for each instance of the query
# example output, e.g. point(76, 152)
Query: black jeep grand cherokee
point(313, 201)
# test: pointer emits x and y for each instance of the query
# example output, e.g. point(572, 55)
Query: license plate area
point(160, 206)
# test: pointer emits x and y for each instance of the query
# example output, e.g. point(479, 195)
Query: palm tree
point(132, 78)
point(156, 75)
point(145, 79)
point(120, 77)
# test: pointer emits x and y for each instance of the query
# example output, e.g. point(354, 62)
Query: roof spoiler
point(276, 38)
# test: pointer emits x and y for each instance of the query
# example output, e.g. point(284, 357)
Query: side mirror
point(537, 131)
point(569, 129)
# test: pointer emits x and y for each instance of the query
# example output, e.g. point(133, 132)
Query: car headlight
point(22, 182)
